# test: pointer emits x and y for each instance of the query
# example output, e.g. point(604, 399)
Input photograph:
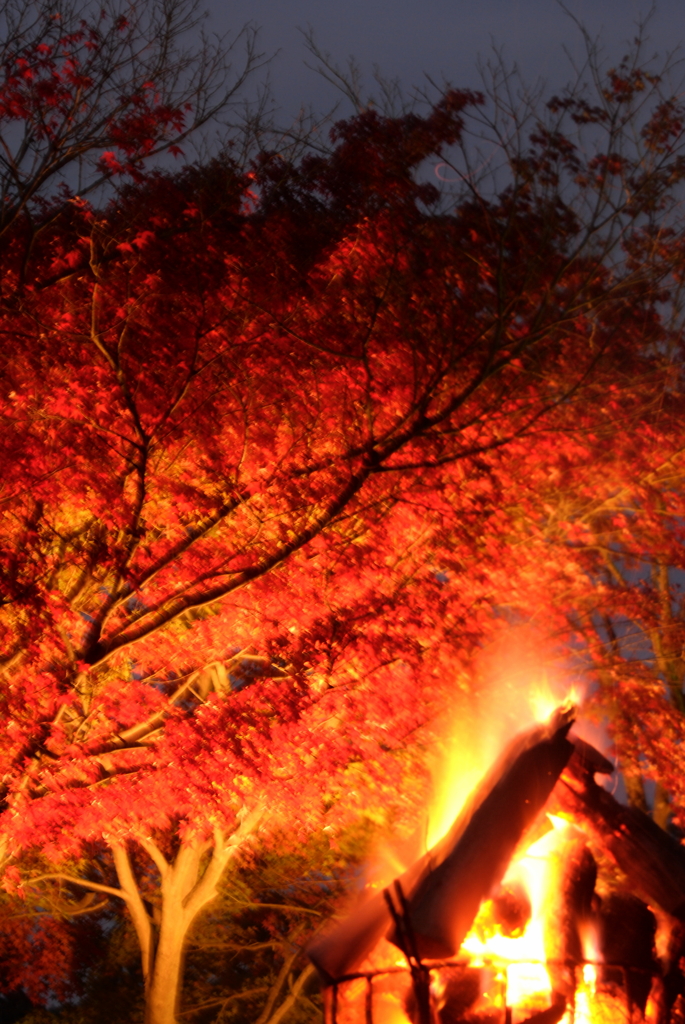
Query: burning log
point(652, 860)
point(511, 909)
point(474, 855)
point(552, 1015)
point(674, 978)
point(445, 888)
point(433, 905)
point(570, 914)
point(627, 933)
point(654, 864)
point(460, 988)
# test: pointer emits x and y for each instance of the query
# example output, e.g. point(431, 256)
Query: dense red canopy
point(281, 450)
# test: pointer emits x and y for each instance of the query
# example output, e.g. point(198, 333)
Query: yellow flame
point(528, 981)
point(522, 696)
point(510, 692)
point(558, 823)
point(388, 1010)
point(542, 702)
point(595, 1007)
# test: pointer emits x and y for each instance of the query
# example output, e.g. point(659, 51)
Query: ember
point(507, 919)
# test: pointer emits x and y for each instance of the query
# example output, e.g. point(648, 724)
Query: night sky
point(444, 38)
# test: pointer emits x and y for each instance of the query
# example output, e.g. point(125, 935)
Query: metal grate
point(362, 997)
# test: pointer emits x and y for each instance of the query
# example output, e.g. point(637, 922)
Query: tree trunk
point(185, 889)
point(635, 791)
point(662, 808)
point(163, 990)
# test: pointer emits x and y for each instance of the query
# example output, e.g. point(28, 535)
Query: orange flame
point(510, 954)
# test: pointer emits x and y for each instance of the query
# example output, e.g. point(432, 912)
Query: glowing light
point(558, 823)
point(506, 947)
point(388, 1010)
point(527, 982)
point(542, 703)
point(519, 687)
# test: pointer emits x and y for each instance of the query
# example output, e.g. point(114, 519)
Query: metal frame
point(421, 972)
point(333, 991)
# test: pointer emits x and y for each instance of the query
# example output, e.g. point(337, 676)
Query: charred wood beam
point(652, 860)
point(627, 929)
point(444, 889)
point(475, 854)
point(420, 975)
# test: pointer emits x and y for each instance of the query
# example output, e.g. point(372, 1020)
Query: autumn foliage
point(284, 446)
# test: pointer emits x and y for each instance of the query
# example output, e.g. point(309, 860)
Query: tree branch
point(83, 882)
point(277, 986)
point(293, 996)
point(205, 888)
point(156, 855)
point(139, 915)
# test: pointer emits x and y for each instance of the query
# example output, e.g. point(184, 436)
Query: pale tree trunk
point(181, 902)
point(185, 891)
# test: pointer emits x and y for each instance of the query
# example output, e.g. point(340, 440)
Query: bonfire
point(546, 902)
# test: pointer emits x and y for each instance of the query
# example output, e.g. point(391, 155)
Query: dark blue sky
point(442, 37)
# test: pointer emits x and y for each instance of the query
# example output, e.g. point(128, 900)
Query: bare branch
point(84, 883)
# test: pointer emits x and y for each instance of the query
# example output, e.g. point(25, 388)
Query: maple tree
point(89, 96)
point(282, 448)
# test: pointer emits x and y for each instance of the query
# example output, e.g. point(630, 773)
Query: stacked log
point(654, 865)
point(627, 933)
point(437, 899)
point(444, 889)
point(570, 914)
point(652, 860)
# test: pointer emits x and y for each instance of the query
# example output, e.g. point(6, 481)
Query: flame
point(591, 1006)
point(521, 699)
point(388, 1009)
point(460, 760)
point(506, 945)
point(594, 1006)
point(542, 701)
point(523, 956)
point(465, 754)
point(509, 952)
